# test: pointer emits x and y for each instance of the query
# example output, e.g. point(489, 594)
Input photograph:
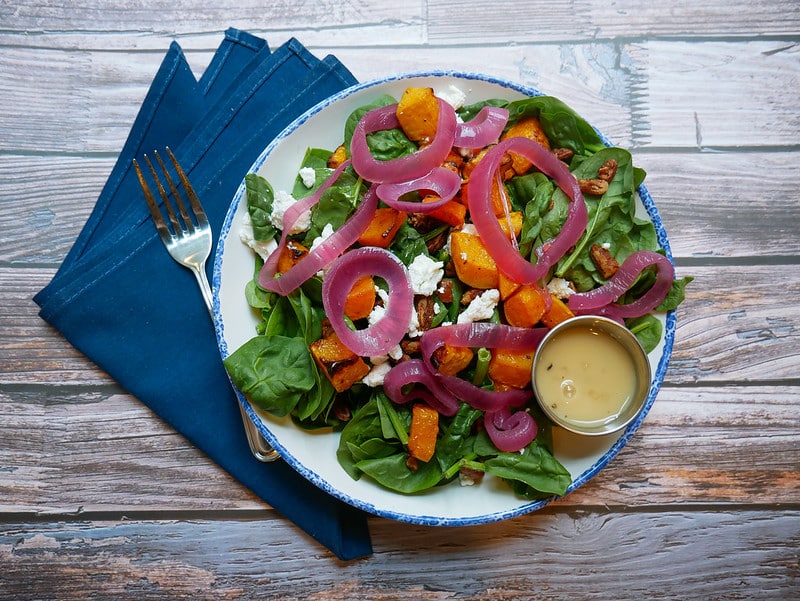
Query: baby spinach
point(260, 196)
point(275, 372)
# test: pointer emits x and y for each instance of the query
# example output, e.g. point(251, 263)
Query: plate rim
point(319, 481)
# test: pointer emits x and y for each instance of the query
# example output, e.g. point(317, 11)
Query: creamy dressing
point(585, 376)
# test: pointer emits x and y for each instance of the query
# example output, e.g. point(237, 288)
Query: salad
point(403, 284)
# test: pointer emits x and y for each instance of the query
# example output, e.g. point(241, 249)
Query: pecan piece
point(425, 312)
point(607, 170)
point(563, 154)
point(604, 261)
point(597, 187)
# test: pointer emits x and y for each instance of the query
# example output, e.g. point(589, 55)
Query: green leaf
point(647, 329)
point(393, 473)
point(273, 371)
point(676, 294)
point(260, 197)
point(536, 467)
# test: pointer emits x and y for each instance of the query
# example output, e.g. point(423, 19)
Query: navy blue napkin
point(122, 301)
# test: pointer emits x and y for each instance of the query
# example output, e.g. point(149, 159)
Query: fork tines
point(186, 223)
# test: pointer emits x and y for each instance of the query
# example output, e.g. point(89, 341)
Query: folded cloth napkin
point(122, 301)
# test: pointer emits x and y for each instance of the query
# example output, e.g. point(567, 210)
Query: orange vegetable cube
point(529, 128)
point(506, 286)
point(473, 264)
point(418, 113)
point(452, 212)
point(526, 307)
point(291, 255)
point(452, 359)
point(339, 364)
point(510, 368)
point(361, 298)
point(383, 227)
point(516, 223)
point(338, 157)
point(423, 432)
point(558, 312)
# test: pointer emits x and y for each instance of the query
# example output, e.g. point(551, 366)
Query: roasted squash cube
point(339, 364)
point(473, 264)
point(510, 368)
point(423, 432)
point(418, 113)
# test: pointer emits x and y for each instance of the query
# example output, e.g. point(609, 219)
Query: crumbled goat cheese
point(281, 202)
point(425, 274)
point(481, 307)
point(308, 176)
point(453, 96)
point(246, 235)
point(377, 374)
point(326, 233)
point(469, 228)
point(559, 287)
point(413, 326)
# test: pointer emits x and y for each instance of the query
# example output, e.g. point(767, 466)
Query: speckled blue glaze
point(581, 479)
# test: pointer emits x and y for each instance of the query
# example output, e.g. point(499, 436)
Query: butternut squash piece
point(452, 359)
point(361, 298)
point(499, 198)
point(473, 264)
point(559, 311)
point(418, 113)
point(423, 432)
point(338, 157)
point(452, 212)
point(339, 364)
point(291, 255)
point(529, 128)
point(510, 368)
point(516, 224)
point(383, 227)
point(526, 307)
point(506, 286)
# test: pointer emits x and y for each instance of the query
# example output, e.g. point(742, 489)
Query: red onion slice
point(321, 256)
point(386, 333)
point(600, 300)
point(483, 129)
point(441, 181)
point(510, 432)
point(510, 262)
point(431, 391)
point(407, 167)
point(481, 334)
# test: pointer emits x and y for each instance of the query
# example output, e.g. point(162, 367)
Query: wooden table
point(99, 499)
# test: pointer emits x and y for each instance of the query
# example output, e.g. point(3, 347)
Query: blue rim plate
point(314, 454)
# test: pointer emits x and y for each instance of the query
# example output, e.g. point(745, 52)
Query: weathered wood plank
point(73, 451)
point(651, 94)
point(712, 204)
point(739, 322)
point(555, 555)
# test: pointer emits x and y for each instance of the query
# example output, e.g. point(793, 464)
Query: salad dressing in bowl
point(591, 375)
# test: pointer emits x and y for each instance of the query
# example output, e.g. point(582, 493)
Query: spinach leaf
point(408, 243)
point(535, 467)
point(362, 439)
point(456, 440)
point(260, 197)
point(676, 294)
point(647, 330)
point(273, 371)
point(393, 473)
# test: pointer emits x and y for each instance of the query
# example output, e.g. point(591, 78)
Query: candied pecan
point(604, 261)
point(469, 476)
point(437, 243)
point(607, 170)
point(425, 312)
point(470, 295)
point(563, 154)
point(410, 347)
point(445, 291)
point(327, 328)
point(341, 410)
point(597, 187)
point(412, 463)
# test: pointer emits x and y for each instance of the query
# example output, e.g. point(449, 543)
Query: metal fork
point(188, 241)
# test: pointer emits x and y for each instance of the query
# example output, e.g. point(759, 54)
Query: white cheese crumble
point(308, 176)
point(281, 202)
point(559, 287)
point(425, 274)
point(453, 96)
point(481, 307)
point(326, 233)
point(246, 235)
point(377, 374)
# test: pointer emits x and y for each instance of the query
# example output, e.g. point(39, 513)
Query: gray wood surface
point(100, 499)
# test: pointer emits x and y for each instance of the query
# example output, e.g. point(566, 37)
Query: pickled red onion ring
point(602, 300)
point(483, 129)
point(510, 432)
point(508, 260)
point(480, 334)
point(431, 391)
point(321, 256)
point(380, 337)
point(441, 181)
point(407, 167)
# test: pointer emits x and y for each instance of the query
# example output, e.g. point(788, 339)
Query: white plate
point(314, 454)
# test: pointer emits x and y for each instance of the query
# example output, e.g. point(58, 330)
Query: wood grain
point(101, 499)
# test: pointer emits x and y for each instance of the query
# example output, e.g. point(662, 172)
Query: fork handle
point(260, 448)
